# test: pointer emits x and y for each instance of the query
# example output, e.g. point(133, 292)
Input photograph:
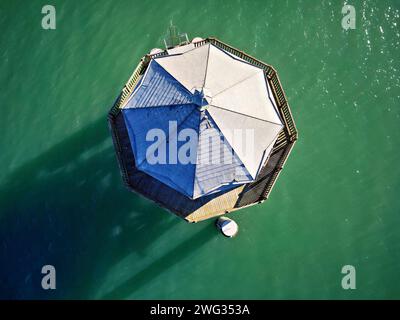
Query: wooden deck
point(215, 204)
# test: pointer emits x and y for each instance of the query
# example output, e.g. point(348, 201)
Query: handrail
point(242, 55)
point(200, 43)
point(128, 87)
point(278, 169)
point(122, 166)
point(159, 54)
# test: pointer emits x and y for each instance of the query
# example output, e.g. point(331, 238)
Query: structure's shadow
point(68, 208)
point(162, 264)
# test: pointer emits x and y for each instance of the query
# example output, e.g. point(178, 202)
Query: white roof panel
point(188, 68)
point(249, 97)
point(224, 71)
point(249, 137)
point(181, 49)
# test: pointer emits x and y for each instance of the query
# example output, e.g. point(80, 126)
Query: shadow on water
point(162, 264)
point(68, 208)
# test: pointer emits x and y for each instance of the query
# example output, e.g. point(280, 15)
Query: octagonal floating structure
point(215, 91)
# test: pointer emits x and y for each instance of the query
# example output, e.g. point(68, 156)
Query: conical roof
point(202, 120)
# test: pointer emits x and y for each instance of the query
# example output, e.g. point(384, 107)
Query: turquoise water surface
point(62, 201)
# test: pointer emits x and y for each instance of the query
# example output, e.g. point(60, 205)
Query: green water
point(62, 201)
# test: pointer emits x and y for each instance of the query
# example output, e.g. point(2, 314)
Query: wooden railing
point(283, 106)
point(116, 108)
point(159, 54)
point(118, 148)
point(281, 141)
point(240, 54)
point(277, 171)
point(128, 87)
point(201, 43)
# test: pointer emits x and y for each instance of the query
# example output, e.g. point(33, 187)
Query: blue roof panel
point(158, 88)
